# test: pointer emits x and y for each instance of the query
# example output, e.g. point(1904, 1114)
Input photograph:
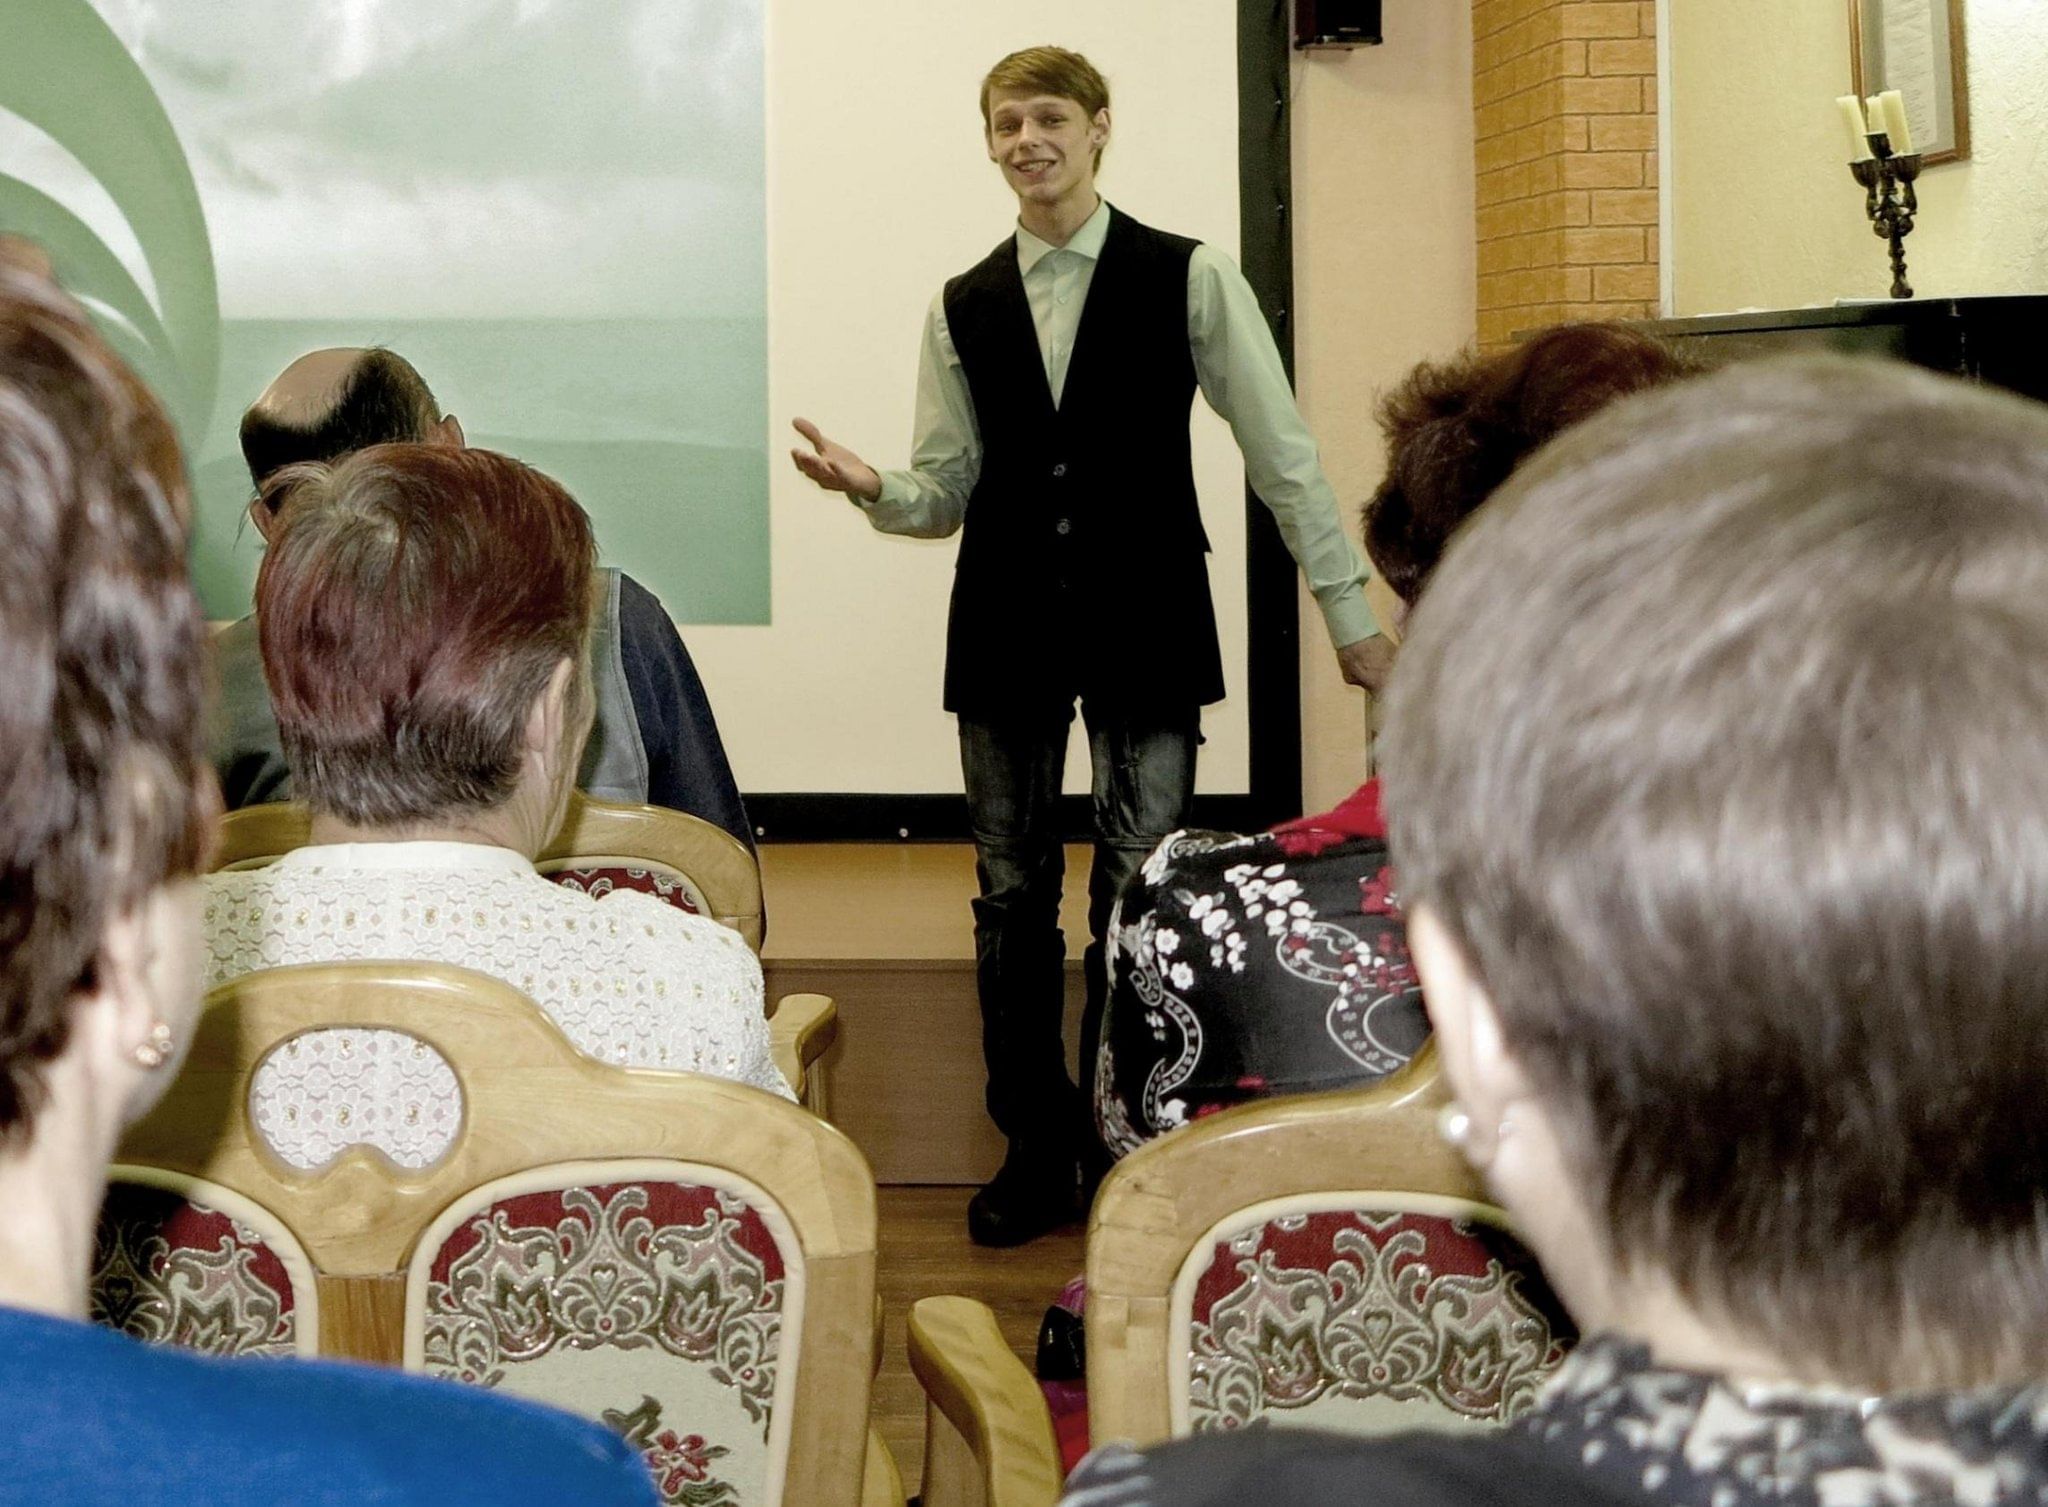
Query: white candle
point(1895, 121)
point(1852, 117)
point(1873, 107)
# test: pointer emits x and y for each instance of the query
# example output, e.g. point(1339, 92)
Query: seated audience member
point(1720, 801)
point(424, 612)
point(655, 739)
point(1248, 965)
point(106, 810)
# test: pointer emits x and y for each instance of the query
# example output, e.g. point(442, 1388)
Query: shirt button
point(1063, 527)
point(1060, 469)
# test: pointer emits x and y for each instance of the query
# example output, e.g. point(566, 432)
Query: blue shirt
point(92, 1417)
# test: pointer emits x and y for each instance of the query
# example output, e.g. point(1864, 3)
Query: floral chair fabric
point(655, 1306)
point(1368, 1322)
point(664, 884)
point(169, 1269)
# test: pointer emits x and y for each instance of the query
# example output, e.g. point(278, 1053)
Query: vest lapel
point(1102, 292)
point(1017, 313)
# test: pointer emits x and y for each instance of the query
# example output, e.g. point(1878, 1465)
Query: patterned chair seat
point(170, 1266)
point(654, 1305)
point(1367, 1322)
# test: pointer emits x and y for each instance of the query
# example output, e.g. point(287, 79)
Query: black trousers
point(1142, 787)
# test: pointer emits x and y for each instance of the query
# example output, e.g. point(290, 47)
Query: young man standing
point(1052, 425)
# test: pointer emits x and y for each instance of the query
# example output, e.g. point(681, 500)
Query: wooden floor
point(925, 1250)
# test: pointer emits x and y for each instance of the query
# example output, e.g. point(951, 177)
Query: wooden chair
point(1323, 1261)
point(688, 1259)
point(601, 846)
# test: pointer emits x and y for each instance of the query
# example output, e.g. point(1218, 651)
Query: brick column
point(1564, 98)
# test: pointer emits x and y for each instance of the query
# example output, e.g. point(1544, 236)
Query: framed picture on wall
point(1916, 47)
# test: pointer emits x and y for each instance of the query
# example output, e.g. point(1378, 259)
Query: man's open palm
point(833, 466)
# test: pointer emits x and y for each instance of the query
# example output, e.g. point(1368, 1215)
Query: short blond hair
point(1049, 70)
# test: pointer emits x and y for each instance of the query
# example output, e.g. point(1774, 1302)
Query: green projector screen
point(556, 209)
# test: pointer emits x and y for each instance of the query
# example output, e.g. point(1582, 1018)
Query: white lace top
point(629, 978)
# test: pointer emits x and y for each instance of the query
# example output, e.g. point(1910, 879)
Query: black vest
point(1082, 566)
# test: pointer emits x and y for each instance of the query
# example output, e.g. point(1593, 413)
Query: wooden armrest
point(988, 1434)
point(801, 1030)
point(881, 1483)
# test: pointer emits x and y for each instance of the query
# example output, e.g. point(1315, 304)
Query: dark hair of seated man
point(373, 397)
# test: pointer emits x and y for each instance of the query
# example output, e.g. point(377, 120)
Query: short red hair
point(411, 606)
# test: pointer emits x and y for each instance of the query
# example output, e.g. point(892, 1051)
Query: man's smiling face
point(1045, 144)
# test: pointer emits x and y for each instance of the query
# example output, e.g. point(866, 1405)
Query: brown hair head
point(411, 609)
point(1456, 429)
point(103, 790)
point(1717, 748)
point(1049, 70)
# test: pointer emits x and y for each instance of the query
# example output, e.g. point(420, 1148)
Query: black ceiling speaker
point(1337, 23)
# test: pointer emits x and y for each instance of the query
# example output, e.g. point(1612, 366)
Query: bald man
point(655, 739)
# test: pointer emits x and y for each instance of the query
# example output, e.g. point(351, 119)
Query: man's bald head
point(331, 402)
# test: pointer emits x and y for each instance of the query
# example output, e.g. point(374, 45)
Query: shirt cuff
point(1348, 618)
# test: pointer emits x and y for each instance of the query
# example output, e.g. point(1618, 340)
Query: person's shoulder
point(1130, 228)
point(659, 921)
point(638, 604)
point(1421, 1469)
point(485, 1446)
point(118, 1421)
point(238, 637)
point(980, 279)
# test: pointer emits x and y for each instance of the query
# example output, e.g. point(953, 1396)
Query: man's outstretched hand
point(834, 467)
point(1368, 662)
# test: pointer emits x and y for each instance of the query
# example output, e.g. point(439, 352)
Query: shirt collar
point(1087, 241)
point(472, 857)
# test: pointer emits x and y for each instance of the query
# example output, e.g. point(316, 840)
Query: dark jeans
point(1143, 785)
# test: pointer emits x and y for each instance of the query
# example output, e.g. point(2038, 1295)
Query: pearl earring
point(155, 1051)
point(1454, 1125)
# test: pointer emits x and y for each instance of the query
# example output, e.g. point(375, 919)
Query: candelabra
point(1889, 201)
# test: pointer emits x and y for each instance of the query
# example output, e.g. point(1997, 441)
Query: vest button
point(1060, 469)
point(1063, 527)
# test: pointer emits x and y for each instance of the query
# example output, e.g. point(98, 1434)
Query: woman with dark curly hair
point(1248, 965)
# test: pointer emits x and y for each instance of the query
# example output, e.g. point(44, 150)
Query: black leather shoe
point(1032, 1195)
point(1062, 1346)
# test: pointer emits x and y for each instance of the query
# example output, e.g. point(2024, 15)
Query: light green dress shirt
point(1237, 365)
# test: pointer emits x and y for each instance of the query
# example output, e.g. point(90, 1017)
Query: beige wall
point(1764, 212)
point(1383, 268)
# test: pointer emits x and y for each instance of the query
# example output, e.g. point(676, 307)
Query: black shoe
point(1032, 1195)
point(1062, 1346)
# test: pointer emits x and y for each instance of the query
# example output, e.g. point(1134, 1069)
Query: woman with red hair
point(1243, 965)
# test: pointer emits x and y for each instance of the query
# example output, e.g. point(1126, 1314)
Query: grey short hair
point(1720, 746)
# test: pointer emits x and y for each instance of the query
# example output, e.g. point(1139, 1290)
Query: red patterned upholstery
point(169, 1270)
point(594, 882)
point(1372, 1316)
point(655, 1306)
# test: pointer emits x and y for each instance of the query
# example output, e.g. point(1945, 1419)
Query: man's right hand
point(834, 467)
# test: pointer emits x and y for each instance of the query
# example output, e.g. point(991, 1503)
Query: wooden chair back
point(356, 1226)
point(1216, 1207)
point(721, 878)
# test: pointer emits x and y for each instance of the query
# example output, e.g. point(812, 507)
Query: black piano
point(2001, 340)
